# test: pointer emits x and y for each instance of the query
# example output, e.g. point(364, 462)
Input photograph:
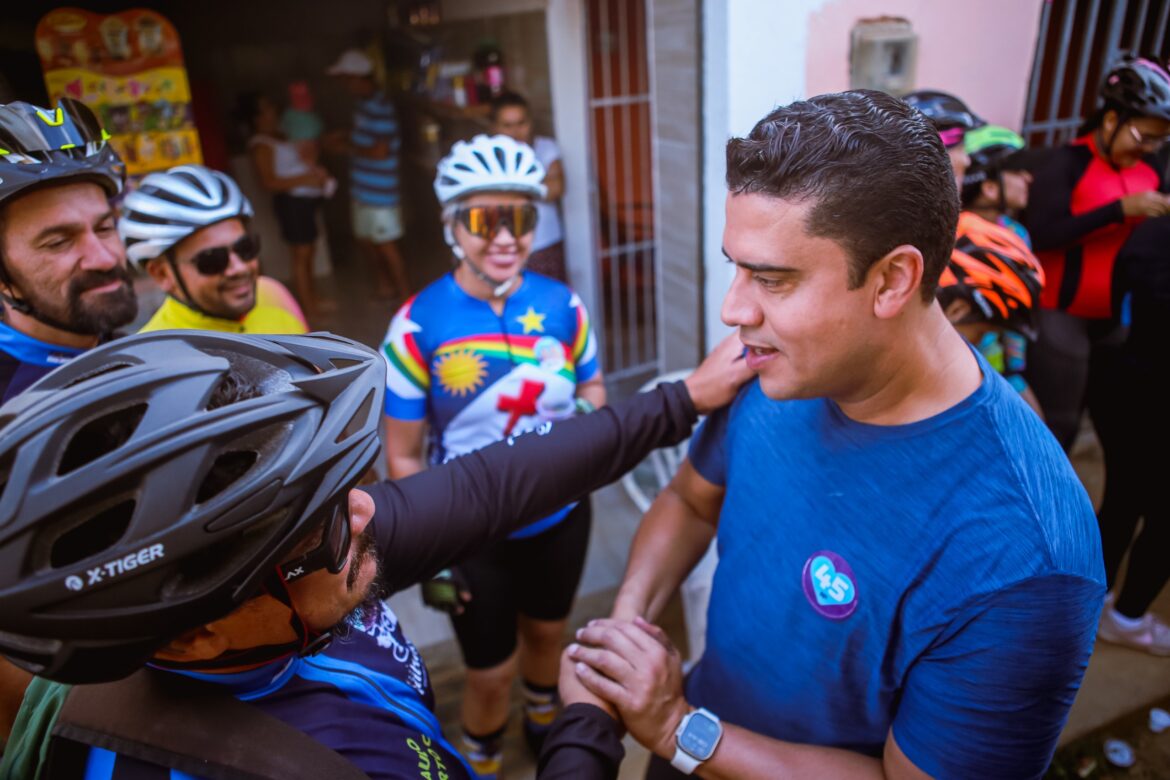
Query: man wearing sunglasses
point(188, 228)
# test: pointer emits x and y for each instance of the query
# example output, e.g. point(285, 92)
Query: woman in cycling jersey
point(1086, 200)
point(486, 352)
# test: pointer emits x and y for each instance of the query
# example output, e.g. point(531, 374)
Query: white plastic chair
point(642, 484)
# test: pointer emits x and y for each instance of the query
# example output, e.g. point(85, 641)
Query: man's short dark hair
point(508, 100)
point(873, 168)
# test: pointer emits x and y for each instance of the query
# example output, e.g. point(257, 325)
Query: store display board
point(128, 67)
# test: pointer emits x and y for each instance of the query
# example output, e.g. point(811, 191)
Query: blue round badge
point(829, 585)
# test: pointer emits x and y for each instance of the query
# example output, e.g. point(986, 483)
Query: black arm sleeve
point(440, 516)
point(1049, 219)
point(583, 744)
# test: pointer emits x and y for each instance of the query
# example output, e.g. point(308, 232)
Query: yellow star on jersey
point(532, 321)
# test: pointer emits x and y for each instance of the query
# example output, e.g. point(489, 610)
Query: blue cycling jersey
point(24, 360)
point(368, 696)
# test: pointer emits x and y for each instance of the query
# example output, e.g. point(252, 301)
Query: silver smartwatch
point(695, 740)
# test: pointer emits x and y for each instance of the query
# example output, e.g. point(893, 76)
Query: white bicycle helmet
point(486, 163)
point(169, 206)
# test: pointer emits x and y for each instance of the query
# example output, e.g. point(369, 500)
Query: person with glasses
point(488, 351)
point(202, 587)
point(64, 282)
point(188, 228)
point(1085, 200)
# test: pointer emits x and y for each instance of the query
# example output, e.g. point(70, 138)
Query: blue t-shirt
point(943, 578)
point(375, 181)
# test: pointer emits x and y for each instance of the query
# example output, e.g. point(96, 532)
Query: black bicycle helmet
point(39, 145)
point(1136, 86)
point(134, 507)
point(945, 111)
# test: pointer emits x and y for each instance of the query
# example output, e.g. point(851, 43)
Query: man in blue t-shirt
point(373, 144)
point(910, 575)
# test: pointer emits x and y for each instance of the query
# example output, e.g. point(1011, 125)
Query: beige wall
point(981, 51)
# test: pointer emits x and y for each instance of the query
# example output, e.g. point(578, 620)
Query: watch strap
point(684, 761)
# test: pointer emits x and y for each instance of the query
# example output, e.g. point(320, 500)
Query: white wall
point(753, 61)
point(568, 81)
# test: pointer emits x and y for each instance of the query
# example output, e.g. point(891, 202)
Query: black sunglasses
point(214, 261)
point(330, 554)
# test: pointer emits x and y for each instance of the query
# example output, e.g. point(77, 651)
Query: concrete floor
point(1118, 680)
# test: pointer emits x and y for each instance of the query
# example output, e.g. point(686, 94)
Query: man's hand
point(718, 378)
point(634, 666)
point(574, 692)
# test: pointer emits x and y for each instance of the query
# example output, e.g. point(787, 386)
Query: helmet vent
point(5, 470)
point(93, 536)
point(357, 423)
point(226, 469)
point(483, 160)
point(100, 437)
point(340, 362)
point(103, 370)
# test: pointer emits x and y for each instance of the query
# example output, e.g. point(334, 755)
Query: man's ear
point(897, 281)
point(198, 644)
point(162, 273)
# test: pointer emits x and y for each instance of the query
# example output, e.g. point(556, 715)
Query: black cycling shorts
point(297, 217)
point(536, 577)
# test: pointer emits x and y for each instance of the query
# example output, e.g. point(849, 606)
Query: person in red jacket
point(1085, 200)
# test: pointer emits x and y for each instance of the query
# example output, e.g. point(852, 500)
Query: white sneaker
point(1151, 634)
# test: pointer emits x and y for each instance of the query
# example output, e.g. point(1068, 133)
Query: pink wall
point(981, 51)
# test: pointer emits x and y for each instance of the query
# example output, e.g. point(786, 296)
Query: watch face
point(700, 736)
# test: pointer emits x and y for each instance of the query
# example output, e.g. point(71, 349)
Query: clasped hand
point(631, 670)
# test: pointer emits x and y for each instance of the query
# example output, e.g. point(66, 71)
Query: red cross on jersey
point(522, 405)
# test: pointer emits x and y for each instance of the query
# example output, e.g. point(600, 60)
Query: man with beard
point(188, 228)
point(64, 285)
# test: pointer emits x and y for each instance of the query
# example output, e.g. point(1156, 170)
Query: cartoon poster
point(128, 67)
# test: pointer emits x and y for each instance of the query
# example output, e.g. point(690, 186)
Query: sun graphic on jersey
point(461, 372)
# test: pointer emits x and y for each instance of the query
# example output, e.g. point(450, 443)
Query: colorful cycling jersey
point(24, 360)
point(1016, 227)
point(275, 312)
point(1006, 353)
point(476, 376)
point(1077, 224)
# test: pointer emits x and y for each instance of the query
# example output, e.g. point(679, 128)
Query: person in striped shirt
point(373, 144)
